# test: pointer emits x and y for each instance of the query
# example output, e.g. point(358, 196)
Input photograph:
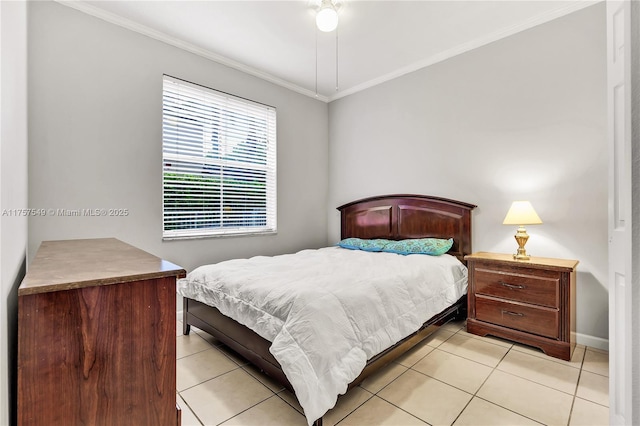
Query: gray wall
point(521, 118)
point(13, 191)
point(95, 109)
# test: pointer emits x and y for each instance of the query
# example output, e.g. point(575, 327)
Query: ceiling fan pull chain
point(337, 86)
point(316, 62)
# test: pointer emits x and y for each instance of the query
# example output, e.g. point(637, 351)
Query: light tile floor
point(453, 377)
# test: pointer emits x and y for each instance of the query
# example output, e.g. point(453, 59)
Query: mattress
point(328, 311)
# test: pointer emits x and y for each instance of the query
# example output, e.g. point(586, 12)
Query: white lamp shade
point(327, 19)
point(521, 213)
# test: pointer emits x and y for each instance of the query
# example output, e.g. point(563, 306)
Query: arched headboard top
point(397, 217)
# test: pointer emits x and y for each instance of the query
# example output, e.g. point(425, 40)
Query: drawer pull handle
point(512, 286)
point(515, 314)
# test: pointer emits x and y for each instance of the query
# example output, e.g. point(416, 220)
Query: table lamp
point(521, 213)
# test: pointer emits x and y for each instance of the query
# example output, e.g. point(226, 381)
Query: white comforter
point(328, 311)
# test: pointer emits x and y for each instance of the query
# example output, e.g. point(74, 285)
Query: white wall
point(95, 96)
point(521, 118)
point(13, 190)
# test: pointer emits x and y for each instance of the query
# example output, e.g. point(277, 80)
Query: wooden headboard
point(397, 217)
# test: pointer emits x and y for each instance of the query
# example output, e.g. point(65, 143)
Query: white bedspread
point(328, 311)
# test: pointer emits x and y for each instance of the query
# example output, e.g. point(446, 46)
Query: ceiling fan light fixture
point(327, 16)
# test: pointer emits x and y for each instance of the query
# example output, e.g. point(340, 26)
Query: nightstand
point(531, 302)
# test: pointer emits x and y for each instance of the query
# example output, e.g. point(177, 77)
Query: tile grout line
point(475, 339)
point(597, 351)
point(403, 410)
point(249, 408)
point(542, 384)
point(277, 394)
point(512, 347)
point(352, 411)
point(237, 366)
point(542, 355)
point(575, 391)
point(433, 378)
point(475, 394)
point(190, 409)
point(574, 396)
point(496, 368)
point(509, 410)
point(208, 380)
point(287, 402)
point(179, 393)
point(407, 369)
point(596, 374)
point(194, 353)
point(582, 370)
point(426, 375)
point(419, 372)
point(246, 370)
point(449, 384)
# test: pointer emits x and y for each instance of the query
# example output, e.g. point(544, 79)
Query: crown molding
point(466, 47)
point(180, 44)
point(457, 50)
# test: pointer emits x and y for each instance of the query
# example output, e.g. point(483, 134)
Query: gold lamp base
point(521, 237)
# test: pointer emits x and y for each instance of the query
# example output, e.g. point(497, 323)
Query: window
point(219, 163)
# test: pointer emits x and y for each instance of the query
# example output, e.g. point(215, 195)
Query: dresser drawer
point(531, 319)
point(523, 286)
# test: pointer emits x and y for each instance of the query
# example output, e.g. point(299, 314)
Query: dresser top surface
point(71, 264)
point(534, 262)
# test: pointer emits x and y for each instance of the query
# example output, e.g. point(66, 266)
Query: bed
point(392, 217)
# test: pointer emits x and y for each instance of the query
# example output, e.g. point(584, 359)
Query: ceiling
point(376, 40)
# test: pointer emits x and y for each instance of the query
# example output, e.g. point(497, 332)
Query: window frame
point(208, 136)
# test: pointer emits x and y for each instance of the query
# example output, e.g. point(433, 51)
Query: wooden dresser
point(96, 336)
point(532, 301)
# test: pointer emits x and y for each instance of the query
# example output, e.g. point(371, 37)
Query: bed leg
point(318, 422)
point(186, 327)
point(461, 313)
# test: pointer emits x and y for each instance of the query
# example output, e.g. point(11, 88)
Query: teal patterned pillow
point(431, 246)
point(360, 244)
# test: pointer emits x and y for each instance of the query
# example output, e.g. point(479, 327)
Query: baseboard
point(178, 307)
point(592, 341)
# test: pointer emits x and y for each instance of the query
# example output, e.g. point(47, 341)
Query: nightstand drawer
point(531, 319)
point(535, 287)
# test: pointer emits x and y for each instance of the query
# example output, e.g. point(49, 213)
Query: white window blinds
point(219, 163)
